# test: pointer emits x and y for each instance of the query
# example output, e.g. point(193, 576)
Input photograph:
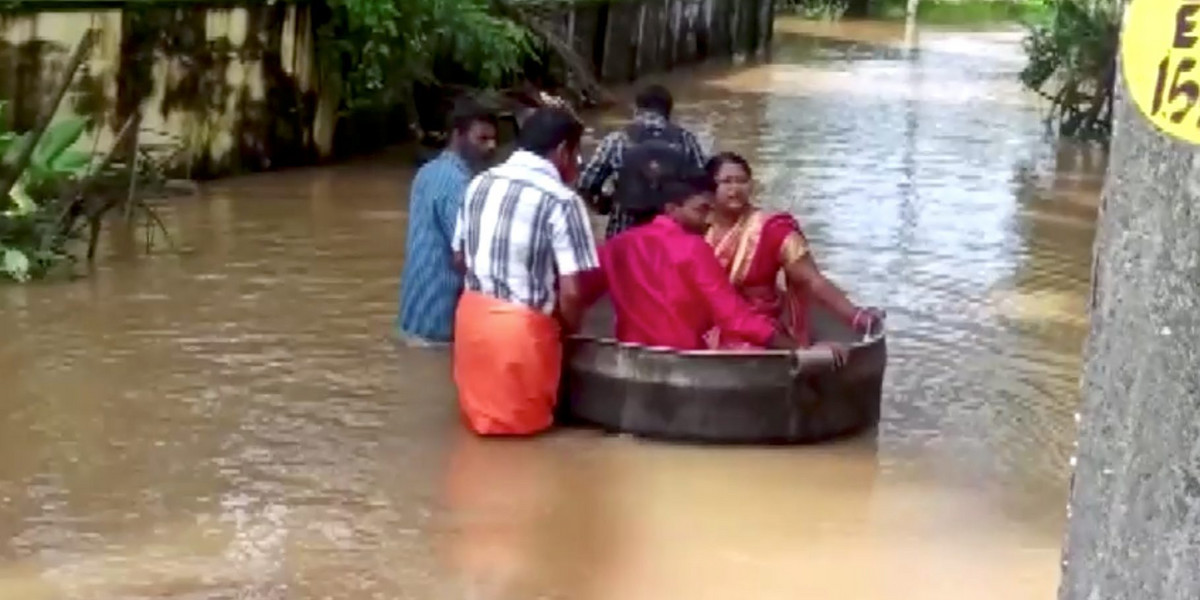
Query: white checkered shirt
point(519, 228)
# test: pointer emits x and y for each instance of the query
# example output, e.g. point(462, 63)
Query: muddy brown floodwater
point(235, 422)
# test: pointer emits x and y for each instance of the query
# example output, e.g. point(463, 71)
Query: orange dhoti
point(507, 363)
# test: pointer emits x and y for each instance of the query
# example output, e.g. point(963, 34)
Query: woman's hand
point(868, 319)
point(840, 352)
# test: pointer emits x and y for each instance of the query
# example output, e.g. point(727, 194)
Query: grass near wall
point(937, 12)
point(953, 12)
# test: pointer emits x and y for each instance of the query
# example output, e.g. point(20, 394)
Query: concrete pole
point(1134, 524)
point(910, 33)
point(910, 25)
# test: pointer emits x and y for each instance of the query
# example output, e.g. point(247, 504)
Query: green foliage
point(1072, 61)
point(31, 241)
point(52, 162)
point(815, 9)
point(381, 47)
point(966, 12)
point(31, 244)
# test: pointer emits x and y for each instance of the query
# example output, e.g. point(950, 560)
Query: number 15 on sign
point(1176, 79)
point(1160, 60)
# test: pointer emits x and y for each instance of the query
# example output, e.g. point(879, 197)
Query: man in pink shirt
point(666, 285)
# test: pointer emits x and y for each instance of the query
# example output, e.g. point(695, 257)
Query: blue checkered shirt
point(430, 285)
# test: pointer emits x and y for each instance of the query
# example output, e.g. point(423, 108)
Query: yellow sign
point(1160, 57)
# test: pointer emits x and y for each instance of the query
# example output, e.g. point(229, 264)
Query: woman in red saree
point(756, 246)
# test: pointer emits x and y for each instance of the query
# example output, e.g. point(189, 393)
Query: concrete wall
point(238, 88)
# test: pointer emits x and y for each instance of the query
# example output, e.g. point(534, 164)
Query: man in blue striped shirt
point(431, 284)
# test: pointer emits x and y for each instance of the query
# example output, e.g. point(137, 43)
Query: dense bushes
point(33, 233)
point(1072, 61)
point(380, 49)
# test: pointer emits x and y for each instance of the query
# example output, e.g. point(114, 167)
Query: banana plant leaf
point(52, 160)
point(71, 162)
point(59, 136)
point(23, 203)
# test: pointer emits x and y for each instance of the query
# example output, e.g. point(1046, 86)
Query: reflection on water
point(233, 422)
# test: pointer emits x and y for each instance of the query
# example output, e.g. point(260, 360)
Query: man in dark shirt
point(651, 125)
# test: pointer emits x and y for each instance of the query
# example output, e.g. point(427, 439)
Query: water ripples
point(235, 421)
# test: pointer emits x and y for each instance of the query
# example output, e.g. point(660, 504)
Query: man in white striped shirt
point(523, 239)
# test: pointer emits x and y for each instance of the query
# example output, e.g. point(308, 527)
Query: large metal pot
point(761, 397)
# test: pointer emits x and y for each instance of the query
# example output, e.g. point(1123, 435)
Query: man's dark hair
point(643, 216)
point(655, 98)
point(468, 111)
point(547, 129)
point(690, 182)
point(675, 188)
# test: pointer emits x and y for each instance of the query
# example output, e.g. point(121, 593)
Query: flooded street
point(235, 421)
